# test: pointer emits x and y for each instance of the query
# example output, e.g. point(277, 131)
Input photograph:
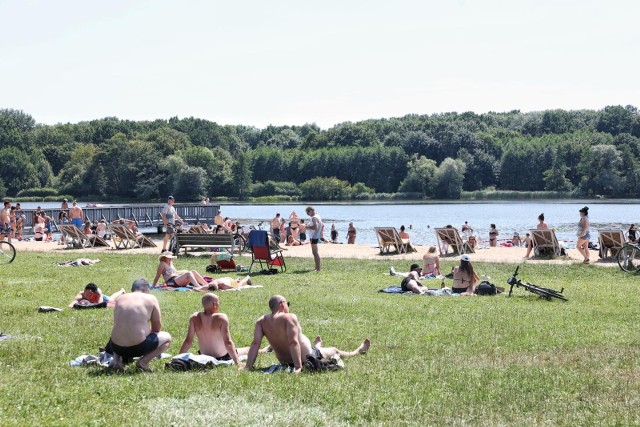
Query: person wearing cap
point(65, 205)
point(464, 277)
point(169, 217)
point(583, 234)
point(289, 344)
point(137, 328)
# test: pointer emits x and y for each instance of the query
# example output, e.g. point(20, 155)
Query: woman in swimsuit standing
point(493, 236)
point(583, 234)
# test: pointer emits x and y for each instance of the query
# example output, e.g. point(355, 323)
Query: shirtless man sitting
point(212, 329)
point(136, 328)
point(290, 345)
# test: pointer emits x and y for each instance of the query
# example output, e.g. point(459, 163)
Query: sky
point(291, 62)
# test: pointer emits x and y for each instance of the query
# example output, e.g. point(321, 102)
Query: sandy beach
point(328, 250)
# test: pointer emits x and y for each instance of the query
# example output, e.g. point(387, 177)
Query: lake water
point(509, 217)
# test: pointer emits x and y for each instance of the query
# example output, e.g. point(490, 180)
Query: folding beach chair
point(79, 238)
point(124, 238)
point(610, 242)
point(451, 237)
point(544, 241)
point(389, 236)
point(258, 241)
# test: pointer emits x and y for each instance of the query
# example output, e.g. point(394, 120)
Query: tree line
point(583, 153)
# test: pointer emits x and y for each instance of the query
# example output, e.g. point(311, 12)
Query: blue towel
point(257, 238)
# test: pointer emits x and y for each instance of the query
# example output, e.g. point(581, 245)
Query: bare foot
point(318, 342)
point(364, 347)
point(143, 367)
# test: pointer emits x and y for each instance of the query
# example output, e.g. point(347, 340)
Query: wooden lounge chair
point(610, 242)
point(197, 229)
point(124, 238)
point(451, 237)
point(545, 242)
point(78, 238)
point(389, 236)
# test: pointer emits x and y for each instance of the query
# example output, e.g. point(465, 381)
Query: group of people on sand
point(137, 332)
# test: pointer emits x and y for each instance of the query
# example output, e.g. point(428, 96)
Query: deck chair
point(610, 242)
point(545, 241)
point(389, 236)
point(196, 229)
point(78, 238)
point(258, 241)
point(127, 239)
point(451, 237)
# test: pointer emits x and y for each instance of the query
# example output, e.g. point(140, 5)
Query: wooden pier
point(149, 215)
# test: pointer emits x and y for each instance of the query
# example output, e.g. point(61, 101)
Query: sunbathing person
point(290, 345)
point(431, 263)
point(93, 295)
point(411, 283)
point(176, 278)
point(78, 262)
point(464, 277)
point(212, 330)
point(292, 241)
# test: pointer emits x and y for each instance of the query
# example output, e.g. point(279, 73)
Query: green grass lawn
point(433, 360)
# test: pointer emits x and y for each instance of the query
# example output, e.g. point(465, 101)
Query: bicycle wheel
point(629, 258)
point(7, 252)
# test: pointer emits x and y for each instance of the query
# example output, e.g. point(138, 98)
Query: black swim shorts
point(314, 241)
point(138, 350)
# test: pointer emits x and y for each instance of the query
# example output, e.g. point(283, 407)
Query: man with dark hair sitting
point(137, 328)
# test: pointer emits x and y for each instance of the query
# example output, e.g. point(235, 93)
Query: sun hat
point(170, 197)
point(465, 258)
point(166, 254)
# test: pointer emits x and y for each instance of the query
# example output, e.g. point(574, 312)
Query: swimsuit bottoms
point(459, 290)
point(315, 352)
point(170, 283)
point(138, 350)
point(6, 229)
point(77, 222)
point(303, 236)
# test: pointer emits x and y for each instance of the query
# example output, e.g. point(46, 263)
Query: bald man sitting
point(290, 345)
point(212, 329)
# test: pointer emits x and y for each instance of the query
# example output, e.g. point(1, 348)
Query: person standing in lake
point(351, 234)
point(493, 236)
point(315, 226)
point(583, 234)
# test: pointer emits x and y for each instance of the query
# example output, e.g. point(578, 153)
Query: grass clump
point(433, 360)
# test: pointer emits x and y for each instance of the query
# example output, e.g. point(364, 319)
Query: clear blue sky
point(293, 62)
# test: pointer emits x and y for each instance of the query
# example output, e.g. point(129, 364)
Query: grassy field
point(433, 360)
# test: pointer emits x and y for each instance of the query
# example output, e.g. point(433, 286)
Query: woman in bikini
point(583, 234)
point(431, 263)
point(464, 277)
point(493, 236)
point(176, 278)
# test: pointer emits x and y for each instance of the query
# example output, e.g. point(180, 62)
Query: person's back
point(278, 329)
point(209, 330)
point(131, 318)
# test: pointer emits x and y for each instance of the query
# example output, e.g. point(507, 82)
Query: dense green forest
point(582, 153)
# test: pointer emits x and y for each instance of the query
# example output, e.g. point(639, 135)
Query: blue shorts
point(77, 222)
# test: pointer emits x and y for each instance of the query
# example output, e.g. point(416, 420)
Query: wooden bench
point(197, 240)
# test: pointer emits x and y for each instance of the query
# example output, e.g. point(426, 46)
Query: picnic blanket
point(103, 359)
point(190, 361)
point(164, 287)
point(430, 292)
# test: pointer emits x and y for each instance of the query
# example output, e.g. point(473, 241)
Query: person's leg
point(328, 352)
point(244, 351)
point(167, 236)
point(583, 248)
point(164, 340)
point(316, 255)
point(116, 295)
point(117, 362)
point(199, 278)
point(529, 247)
point(245, 282)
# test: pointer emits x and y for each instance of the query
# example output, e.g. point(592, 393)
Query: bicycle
point(7, 252)
point(546, 293)
point(629, 258)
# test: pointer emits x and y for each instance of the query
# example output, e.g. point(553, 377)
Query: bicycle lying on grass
point(629, 258)
point(545, 293)
point(7, 252)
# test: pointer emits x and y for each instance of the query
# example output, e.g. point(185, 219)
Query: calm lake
point(509, 217)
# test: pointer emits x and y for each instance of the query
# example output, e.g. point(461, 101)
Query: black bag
point(212, 268)
point(486, 288)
